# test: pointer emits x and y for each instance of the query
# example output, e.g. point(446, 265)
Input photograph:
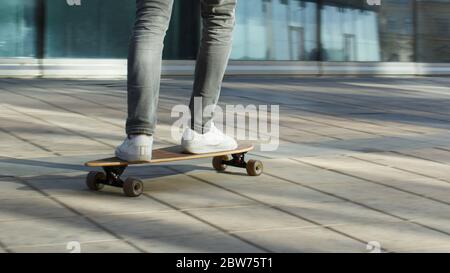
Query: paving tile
point(3, 250)
point(37, 131)
point(363, 192)
point(396, 236)
point(249, 218)
point(303, 137)
point(384, 175)
point(38, 166)
point(431, 249)
point(32, 208)
point(13, 147)
point(50, 231)
point(266, 189)
point(12, 188)
point(149, 227)
point(434, 154)
point(420, 210)
point(287, 150)
point(415, 165)
point(198, 243)
point(305, 174)
point(75, 186)
point(304, 240)
point(112, 246)
point(94, 204)
point(339, 213)
point(183, 192)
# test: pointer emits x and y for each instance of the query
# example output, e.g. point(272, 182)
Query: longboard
point(113, 167)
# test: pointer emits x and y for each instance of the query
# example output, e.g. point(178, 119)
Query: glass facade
point(396, 22)
point(275, 30)
point(349, 32)
point(433, 31)
point(18, 33)
point(96, 29)
point(355, 31)
point(278, 30)
point(101, 29)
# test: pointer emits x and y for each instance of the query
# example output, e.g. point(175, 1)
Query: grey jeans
point(145, 53)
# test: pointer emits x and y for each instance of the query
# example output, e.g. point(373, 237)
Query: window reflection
point(433, 33)
point(349, 33)
point(350, 30)
point(101, 29)
point(275, 30)
point(96, 29)
point(397, 30)
point(355, 31)
point(17, 28)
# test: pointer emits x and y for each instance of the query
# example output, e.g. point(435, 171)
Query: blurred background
point(41, 36)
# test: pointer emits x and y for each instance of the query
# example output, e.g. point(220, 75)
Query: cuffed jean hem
point(139, 131)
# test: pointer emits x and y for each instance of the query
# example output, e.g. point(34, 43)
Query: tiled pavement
point(360, 160)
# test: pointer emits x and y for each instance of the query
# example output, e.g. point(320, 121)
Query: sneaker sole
point(207, 150)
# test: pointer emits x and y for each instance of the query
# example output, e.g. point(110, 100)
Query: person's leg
point(144, 72)
point(218, 19)
point(144, 64)
point(218, 23)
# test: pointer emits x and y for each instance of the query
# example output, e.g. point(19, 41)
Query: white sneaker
point(212, 141)
point(135, 148)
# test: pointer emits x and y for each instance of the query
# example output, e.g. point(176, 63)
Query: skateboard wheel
point(93, 180)
point(133, 187)
point(254, 167)
point(217, 162)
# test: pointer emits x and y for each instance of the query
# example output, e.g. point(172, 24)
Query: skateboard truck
point(237, 160)
point(253, 167)
point(113, 176)
point(132, 187)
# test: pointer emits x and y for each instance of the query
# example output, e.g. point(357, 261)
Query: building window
point(101, 29)
point(18, 34)
point(355, 31)
point(96, 29)
point(275, 30)
point(433, 31)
